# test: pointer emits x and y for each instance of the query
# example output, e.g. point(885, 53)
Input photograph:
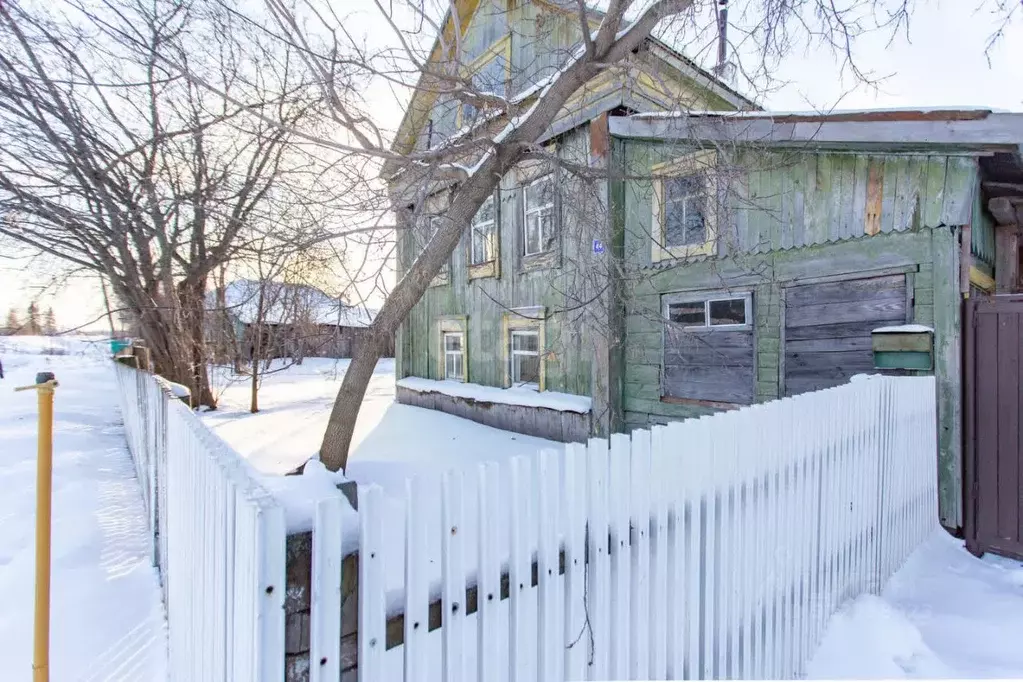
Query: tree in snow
point(49, 322)
point(115, 164)
point(12, 325)
point(32, 326)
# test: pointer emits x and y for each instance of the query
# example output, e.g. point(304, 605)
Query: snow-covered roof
point(290, 303)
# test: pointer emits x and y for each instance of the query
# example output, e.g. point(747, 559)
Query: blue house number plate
point(598, 246)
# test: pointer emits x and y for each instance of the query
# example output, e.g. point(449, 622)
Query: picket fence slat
point(620, 555)
point(659, 552)
point(549, 605)
point(520, 569)
point(453, 579)
point(372, 598)
point(640, 538)
point(325, 600)
point(574, 514)
point(417, 583)
point(488, 580)
point(599, 563)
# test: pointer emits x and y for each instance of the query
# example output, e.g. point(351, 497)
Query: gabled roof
point(286, 303)
point(408, 129)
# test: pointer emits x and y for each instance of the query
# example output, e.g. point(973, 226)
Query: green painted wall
point(571, 280)
point(789, 217)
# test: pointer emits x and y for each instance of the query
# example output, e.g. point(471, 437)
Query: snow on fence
point(219, 539)
point(711, 548)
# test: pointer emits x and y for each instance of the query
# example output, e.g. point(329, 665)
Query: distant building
point(287, 320)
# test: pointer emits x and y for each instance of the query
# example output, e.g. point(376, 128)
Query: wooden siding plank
point(892, 286)
point(1007, 455)
point(858, 206)
point(934, 191)
point(987, 404)
point(960, 178)
point(834, 313)
point(797, 197)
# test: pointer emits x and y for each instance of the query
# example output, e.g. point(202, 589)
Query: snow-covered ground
point(945, 614)
point(107, 618)
point(391, 441)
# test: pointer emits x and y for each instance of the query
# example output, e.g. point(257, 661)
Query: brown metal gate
point(994, 439)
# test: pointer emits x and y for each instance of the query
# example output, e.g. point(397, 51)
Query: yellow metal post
point(45, 383)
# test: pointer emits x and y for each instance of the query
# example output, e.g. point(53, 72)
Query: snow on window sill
point(521, 396)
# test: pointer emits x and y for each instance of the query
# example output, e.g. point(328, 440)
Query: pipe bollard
point(44, 387)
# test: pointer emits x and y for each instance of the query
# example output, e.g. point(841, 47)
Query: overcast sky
point(942, 63)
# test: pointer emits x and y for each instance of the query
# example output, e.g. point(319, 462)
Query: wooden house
point(714, 260)
point(500, 314)
point(288, 320)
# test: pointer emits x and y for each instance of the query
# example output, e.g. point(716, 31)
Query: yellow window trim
point(456, 324)
point(490, 268)
point(686, 165)
point(516, 321)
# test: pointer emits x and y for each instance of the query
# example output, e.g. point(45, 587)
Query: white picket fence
point(712, 548)
point(219, 540)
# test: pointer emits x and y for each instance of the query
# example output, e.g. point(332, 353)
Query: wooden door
point(994, 442)
point(827, 328)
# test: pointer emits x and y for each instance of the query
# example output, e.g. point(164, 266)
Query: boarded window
point(827, 328)
point(708, 348)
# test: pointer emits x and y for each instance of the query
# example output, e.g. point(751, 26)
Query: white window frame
point(512, 354)
point(476, 226)
point(451, 353)
point(673, 299)
point(528, 211)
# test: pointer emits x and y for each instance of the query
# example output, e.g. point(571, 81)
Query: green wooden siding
point(560, 289)
point(787, 217)
point(786, 199)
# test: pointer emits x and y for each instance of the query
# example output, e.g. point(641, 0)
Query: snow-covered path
point(107, 617)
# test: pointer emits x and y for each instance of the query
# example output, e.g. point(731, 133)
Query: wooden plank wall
point(827, 328)
point(714, 365)
point(764, 275)
point(772, 200)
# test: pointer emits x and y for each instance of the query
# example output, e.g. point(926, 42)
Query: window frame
point(444, 325)
point(702, 165)
point(492, 267)
point(512, 354)
point(668, 300)
point(527, 211)
point(460, 335)
point(525, 319)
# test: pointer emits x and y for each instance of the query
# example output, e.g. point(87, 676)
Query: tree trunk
point(191, 297)
point(338, 438)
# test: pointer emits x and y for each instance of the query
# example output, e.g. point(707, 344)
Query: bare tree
point(502, 128)
point(113, 163)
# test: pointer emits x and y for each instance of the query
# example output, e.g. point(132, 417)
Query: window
point(709, 354)
point(684, 207)
point(711, 313)
point(424, 232)
point(538, 222)
point(684, 223)
point(489, 77)
point(484, 228)
point(454, 356)
point(525, 358)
